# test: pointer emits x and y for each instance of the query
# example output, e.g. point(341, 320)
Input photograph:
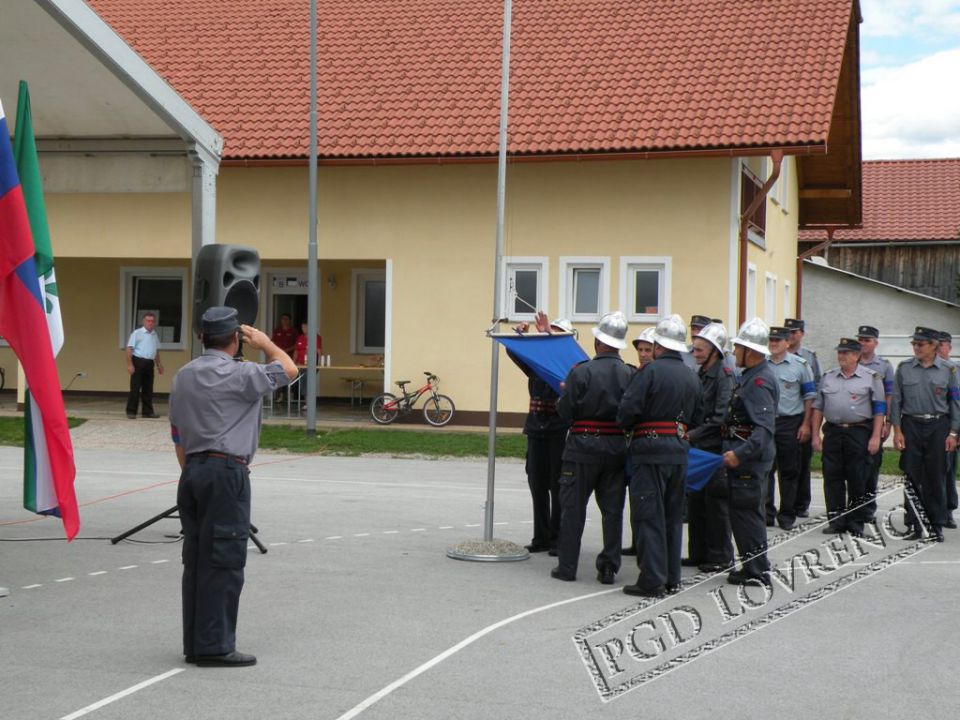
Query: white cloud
point(913, 111)
point(910, 18)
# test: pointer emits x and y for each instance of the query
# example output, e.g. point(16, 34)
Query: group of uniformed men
point(616, 430)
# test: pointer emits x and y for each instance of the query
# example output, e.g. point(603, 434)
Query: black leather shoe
point(672, 589)
point(558, 575)
point(787, 523)
point(738, 577)
point(534, 548)
point(637, 590)
point(715, 567)
point(606, 576)
point(552, 552)
point(936, 532)
point(803, 513)
point(231, 659)
point(192, 659)
point(831, 530)
point(950, 523)
point(690, 562)
point(152, 416)
point(771, 523)
point(631, 551)
point(131, 416)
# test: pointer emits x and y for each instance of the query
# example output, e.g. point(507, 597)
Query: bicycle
point(438, 409)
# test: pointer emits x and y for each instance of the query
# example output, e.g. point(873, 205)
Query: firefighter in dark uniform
point(797, 331)
point(852, 401)
point(215, 421)
point(749, 449)
point(662, 401)
point(709, 544)
point(868, 337)
point(643, 344)
point(545, 432)
point(943, 350)
point(595, 451)
point(926, 420)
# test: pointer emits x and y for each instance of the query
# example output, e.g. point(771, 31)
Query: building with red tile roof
point(910, 236)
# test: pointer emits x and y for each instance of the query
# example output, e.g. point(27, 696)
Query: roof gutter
point(796, 150)
point(777, 157)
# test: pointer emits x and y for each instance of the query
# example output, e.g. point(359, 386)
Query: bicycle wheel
point(438, 410)
point(384, 409)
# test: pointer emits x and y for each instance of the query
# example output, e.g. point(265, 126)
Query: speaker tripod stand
point(171, 514)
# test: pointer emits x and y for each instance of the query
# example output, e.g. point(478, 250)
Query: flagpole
point(311, 355)
point(490, 549)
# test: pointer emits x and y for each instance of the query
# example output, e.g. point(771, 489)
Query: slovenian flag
point(27, 303)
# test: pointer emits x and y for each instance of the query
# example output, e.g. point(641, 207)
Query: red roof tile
point(905, 200)
point(422, 77)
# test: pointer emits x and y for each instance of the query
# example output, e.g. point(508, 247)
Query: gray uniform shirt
point(884, 369)
point(215, 403)
point(796, 384)
point(925, 391)
point(811, 357)
point(853, 399)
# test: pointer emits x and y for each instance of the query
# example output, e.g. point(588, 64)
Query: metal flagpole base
point(488, 551)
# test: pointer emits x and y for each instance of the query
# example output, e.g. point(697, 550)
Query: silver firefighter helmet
point(715, 334)
point(671, 333)
point(754, 334)
point(611, 330)
point(562, 324)
point(645, 336)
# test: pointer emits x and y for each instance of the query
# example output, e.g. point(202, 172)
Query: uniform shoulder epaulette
point(801, 358)
point(870, 370)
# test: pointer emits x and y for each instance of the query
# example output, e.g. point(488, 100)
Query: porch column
point(203, 215)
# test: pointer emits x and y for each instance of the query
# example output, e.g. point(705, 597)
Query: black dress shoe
point(230, 659)
point(152, 416)
point(831, 530)
point(672, 589)
point(715, 567)
point(690, 562)
point(738, 577)
point(639, 591)
point(787, 523)
point(950, 523)
point(558, 575)
point(552, 552)
point(771, 523)
point(192, 659)
point(606, 576)
point(632, 550)
point(937, 533)
point(534, 548)
point(131, 416)
point(803, 513)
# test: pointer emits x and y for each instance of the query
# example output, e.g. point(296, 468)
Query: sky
point(910, 78)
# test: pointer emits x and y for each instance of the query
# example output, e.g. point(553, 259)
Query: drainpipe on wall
point(803, 256)
point(777, 157)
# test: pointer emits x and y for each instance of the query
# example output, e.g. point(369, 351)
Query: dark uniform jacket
point(662, 391)
point(717, 383)
point(754, 406)
point(542, 419)
point(592, 392)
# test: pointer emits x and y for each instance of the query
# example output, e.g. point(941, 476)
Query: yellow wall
point(436, 224)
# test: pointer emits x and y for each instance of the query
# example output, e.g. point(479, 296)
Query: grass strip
point(11, 429)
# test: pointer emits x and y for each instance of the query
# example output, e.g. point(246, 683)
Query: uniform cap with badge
point(219, 320)
point(699, 321)
point(849, 345)
point(794, 324)
point(671, 334)
point(925, 334)
point(611, 330)
point(754, 335)
point(868, 331)
point(778, 332)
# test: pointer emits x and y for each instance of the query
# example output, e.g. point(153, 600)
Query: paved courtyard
point(356, 611)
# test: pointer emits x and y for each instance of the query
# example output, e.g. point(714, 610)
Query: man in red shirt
point(300, 350)
point(285, 335)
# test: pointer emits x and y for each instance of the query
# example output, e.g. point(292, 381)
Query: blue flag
point(701, 465)
point(549, 356)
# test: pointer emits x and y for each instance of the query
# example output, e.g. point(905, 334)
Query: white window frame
point(751, 291)
point(567, 306)
point(513, 263)
point(630, 263)
point(769, 298)
point(786, 299)
point(126, 320)
point(358, 276)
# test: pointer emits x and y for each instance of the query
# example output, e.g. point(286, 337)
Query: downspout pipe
point(777, 157)
point(803, 256)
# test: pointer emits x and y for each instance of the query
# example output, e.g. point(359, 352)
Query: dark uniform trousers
point(924, 461)
point(141, 386)
point(803, 482)
point(213, 499)
point(577, 481)
point(873, 481)
point(708, 517)
point(952, 482)
point(746, 488)
point(847, 466)
point(544, 453)
point(656, 494)
point(787, 467)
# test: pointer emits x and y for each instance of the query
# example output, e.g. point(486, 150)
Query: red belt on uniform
point(656, 429)
point(543, 406)
point(596, 427)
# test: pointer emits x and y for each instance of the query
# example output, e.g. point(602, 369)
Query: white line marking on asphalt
point(361, 534)
point(390, 532)
point(472, 525)
point(334, 537)
point(66, 579)
point(377, 696)
point(527, 522)
point(445, 527)
point(98, 572)
point(277, 543)
point(418, 530)
point(501, 523)
point(127, 567)
point(938, 562)
point(123, 693)
point(31, 587)
point(158, 562)
point(305, 540)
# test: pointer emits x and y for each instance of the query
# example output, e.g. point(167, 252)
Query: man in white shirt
point(143, 354)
